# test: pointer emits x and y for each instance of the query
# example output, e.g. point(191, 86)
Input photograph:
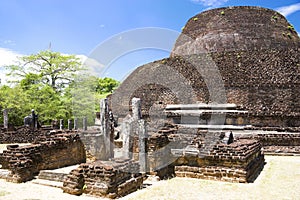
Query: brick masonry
point(256, 53)
point(276, 143)
point(20, 135)
point(203, 155)
point(48, 152)
point(110, 179)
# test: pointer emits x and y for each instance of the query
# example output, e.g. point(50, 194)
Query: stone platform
point(110, 179)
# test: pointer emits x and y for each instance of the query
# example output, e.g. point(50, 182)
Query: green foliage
point(48, 83)
point(222, 12)
point(51, 68)
point(195, 18)
point(15, 101)
point(106, 85)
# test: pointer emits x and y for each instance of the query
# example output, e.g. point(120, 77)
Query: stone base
point(220, 173)
point(110, 179)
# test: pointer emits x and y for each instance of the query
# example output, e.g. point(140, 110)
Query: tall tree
point(106, 85)
point(52, 68)
point(14, 99)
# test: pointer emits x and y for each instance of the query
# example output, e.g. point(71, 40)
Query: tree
point(56, 86)
point(51, 68)
point(106, 85)
point(16, 102)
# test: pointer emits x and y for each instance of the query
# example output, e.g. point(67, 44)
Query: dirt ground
point(280, 179)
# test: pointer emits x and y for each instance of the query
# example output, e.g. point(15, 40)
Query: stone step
point(4, 173)
point(201, 112)
point(51, 176)
point(215, 127)
point(56, 174)
point(199, 106)
point(56, 184)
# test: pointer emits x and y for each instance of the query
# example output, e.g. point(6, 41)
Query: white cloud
point(94, 66)
point(210, 3)
point(7, 57)
point(287, 10)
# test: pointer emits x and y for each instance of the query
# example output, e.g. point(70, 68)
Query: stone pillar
point(127, 139)
point(75, 124)
point(5, 118)
point(61, 124)
point(33, 119)
point(84, 124)
point(136, 108)
point(69, 124)
point(106, 129)
point(142, 130)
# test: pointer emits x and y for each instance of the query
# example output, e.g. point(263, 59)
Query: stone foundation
point(240, 161)
point(276, 143)
point(50, 152)
point(104, 178)
point(20, 135)
point(201, 154)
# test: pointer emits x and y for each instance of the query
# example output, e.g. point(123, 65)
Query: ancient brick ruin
point(104, 178)
point(175, 120)
point(204, 155)
point(256, 52)
point(48, 152)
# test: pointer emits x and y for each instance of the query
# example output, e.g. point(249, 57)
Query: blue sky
point(77, 27)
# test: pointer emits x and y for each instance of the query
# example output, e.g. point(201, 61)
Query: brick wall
point(201, 154)
point(277, 143)
point(104, 178)
point(236, 28)
point(240, 161)
point(258, 65)
point(20, 135)
point(49, 152)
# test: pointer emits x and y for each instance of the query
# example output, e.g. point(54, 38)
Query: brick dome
point(257, 55)
point(235, 28)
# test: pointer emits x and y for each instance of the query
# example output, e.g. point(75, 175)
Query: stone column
point(142, 130)
point(61, 124)
point(106, 129)
point(33, 119)
point(84, 124)
point(75, 123)
point(136, 108)
point(69, 124)
point(127, 139)
point(5, 118)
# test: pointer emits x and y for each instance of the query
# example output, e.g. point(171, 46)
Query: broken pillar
point(5, 118)
point(127, 139)
point(61, 124)
point(136, 108)
point(69, 124)
point(75, 124)
point(142, 131)
point(106, 129)
point(84, 124)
